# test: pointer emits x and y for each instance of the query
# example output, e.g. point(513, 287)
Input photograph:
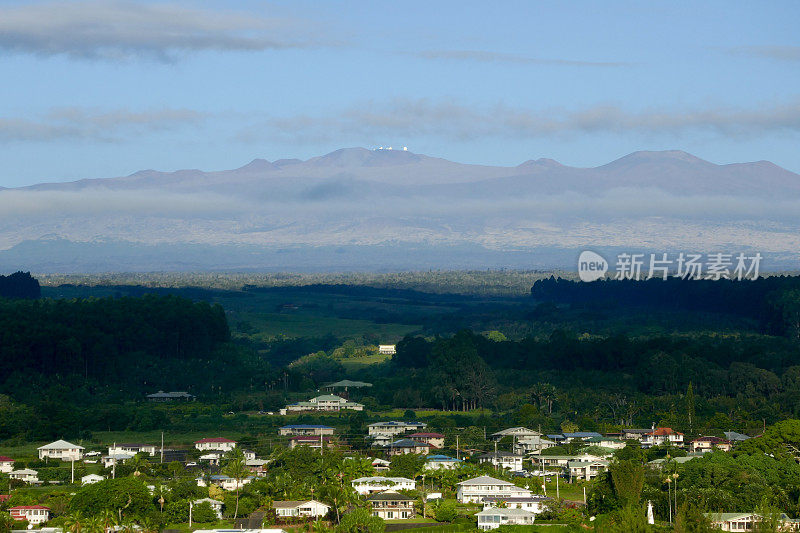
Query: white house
point(436, 440)
point(91, 478)
point(534, 504)
point(216, 505)
point(509, 461)
point(555, 461)
point(585, 470)
point(380, 464)
point(371, 485)
point(215, 443)
point(61, 449)
point(133, 449)
point(733, 521)
point(310, 508)
point(34, 514)
point(326, 402)
point(476, 489)
point(26, 474)
point(405, 446)
point(6, 464)
point(394, 427)
point(305, 429)
point(391, 505)
point(494, 518)
point(441, 462)
point(660, 436)
point(387, 349)
point(516, 432)
point(709, 444)
point(117, 458)
point(224, 482)
point(532, 444)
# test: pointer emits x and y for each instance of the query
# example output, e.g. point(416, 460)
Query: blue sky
point(98, 89)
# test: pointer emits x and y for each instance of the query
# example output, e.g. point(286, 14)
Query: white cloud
point(121, 30)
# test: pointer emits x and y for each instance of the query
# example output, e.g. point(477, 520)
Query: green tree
point(360, 520)
point(628, 479)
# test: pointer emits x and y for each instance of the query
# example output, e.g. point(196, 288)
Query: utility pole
point(73, 470)
point(456, 447)
point(162, 446)
point(496, 460)
point(558, 491)
point(191, 505)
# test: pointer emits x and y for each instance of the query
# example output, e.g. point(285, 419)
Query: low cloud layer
point(408, 118)
point(121, 30)
point(92, 124)
point(781, 53)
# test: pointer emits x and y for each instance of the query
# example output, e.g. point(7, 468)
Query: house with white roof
point(494, 517)
point(585, 470)
point(61, 449)
point(373, 484)
point(532, 444)
point(509, 461)
point(534, 504)
point(516, 432)
point(394, 427)
point(6, 464)
point(34, 514)
point(476, 489)
point(224, 482)
point(133, 449)
point(326, 402)
point(215, 443)
point(118, 458)
point(26, 474)
point(733, 521)
point(216, 505)
point(309, 508)
point(304, 429)
point(91, 478)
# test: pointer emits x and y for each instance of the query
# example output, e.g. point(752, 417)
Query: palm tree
point(237, 469)
point(109, 518)
point(139, 463)
point(93, 525)
point(74, 522)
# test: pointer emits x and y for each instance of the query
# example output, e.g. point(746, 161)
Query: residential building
point(441, 462)
point(373, 484)
point(735, 437)
point(380, 464)
point(61, 449)
point(216, 505)
point(709, 444)
point(305, 429)
point(215, 443)
point(733, 521)
point(310, 441)
point(26, 474)
point(556, 461)
point(118, 458)
point(476, 489)
point(662, 436)
point(394, 427)
point(494, 517)
point(6, 464)
point(580, 436)
point(387, 349)
point(404, 446)
point(635, 434)
point(249, 455)
point(677, 460)
point(507, 460)
point(213, 458)
point(532, 444)
point(308, 508)
point(606, 442)
point(175, 396)
point(34, 514)
point(91, 478)
point(133, 449)
point(436, 440)
point(326, 402)
point(391, 505)
point(257, 466)
point(585, 470)
point(534, 504)
point(223, 481)
point(516, 432)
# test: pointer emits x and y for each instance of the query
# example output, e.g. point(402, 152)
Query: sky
point(100, 89)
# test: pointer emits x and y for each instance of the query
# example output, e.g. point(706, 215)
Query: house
point(605, 442)
point(658, 463)
point(371, 485)
point(394, 427)
point(309, 508)
point(494, 517)
point(580, 436)
point(216, 505)
point(441, 462)
point(176, 396)
point(118, 458)
point(91, 478)
point(635, 434)
point(26, 474)
point(326, 402)
point(585, 470)
point(213, 458)
point(532, 444)
point(380, 464)
point(391, 505)
point(224, 482)
point(310, 441)
point(387, 349)
point(556, 461)
point(133, 449)
point(709, 444)
point(6, 464)
point(436, 440)
point(404, 446)
point(249, 455)
point(733, 521)
point(534, 504)
point(476, 489)
point(215, 443)
point(516, 432)
point(305, 429)
point(735, 437)
point(507, 460)
point(61, 449)
point(34, 514)
point(257, 466)
point(662, 436)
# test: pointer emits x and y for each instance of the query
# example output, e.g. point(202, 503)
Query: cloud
point(484, 56)
point(122, 30)
point(92, 124)
point(423, 117)
point(781, 53)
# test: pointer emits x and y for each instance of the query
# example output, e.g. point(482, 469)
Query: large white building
point(476, 489)
point(61, 449)
point(215, 443)
point(371, 485)
point(326, 402)
point(34, 514)
point(494, 518)
point(310, 508)
point(394, 427)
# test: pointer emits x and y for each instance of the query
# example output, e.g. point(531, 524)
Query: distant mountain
point(358, 198)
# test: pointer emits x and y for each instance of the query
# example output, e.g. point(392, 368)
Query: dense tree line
point(20, 285)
